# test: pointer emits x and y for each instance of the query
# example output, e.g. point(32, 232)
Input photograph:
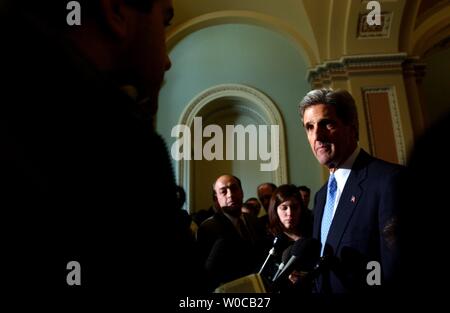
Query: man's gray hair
point(340, 99)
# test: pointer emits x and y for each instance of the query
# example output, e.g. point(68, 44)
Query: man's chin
point(325, 160)
point(232, 210)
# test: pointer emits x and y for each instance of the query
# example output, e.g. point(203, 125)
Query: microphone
point(294, 247)
point(278, 243)
point(305, 254)
point(254, 282)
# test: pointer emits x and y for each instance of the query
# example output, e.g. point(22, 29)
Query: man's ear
point(115, 16)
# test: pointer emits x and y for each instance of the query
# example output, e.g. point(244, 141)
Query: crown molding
point(356, 64)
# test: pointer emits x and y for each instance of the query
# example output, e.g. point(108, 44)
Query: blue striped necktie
point(328, 210)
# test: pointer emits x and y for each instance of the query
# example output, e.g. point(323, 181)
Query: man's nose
point(319, 134)
point(168, 63)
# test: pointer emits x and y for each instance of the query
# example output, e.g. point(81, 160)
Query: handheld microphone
point(276, 246)
point(295, 247)
point(305, 256)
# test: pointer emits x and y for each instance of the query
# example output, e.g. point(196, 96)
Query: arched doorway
point(230, 104)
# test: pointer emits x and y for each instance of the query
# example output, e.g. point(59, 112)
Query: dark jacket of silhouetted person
point(84, 176)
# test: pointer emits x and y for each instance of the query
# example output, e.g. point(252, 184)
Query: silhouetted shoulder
point(377, 168)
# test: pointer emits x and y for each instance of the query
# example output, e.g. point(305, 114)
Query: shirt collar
point(348, 164)
point(234, 220)
point(343, 172)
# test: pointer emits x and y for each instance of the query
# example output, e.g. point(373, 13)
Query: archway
point(229, 103)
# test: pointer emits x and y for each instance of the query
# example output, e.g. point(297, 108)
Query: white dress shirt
point(342, 173)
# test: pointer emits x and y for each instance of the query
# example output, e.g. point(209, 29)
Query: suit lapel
point(319, 206)
point(348, 201)
point(227, 225)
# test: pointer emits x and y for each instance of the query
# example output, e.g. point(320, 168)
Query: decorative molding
point(356, 63)
point(263, 107)
point(414, 67)
point(422, 15)
point(366, 31)
point(432, 30)
point(395, 116)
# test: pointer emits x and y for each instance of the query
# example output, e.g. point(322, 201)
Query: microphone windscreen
point(309, 254)
point(298, 247)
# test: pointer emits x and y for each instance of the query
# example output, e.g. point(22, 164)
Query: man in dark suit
point(231, 242)
point(356, 209)
point(84, 175)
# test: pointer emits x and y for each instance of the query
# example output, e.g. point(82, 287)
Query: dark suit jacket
point(83, 176)
point(225, 254)
point(360, 231)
